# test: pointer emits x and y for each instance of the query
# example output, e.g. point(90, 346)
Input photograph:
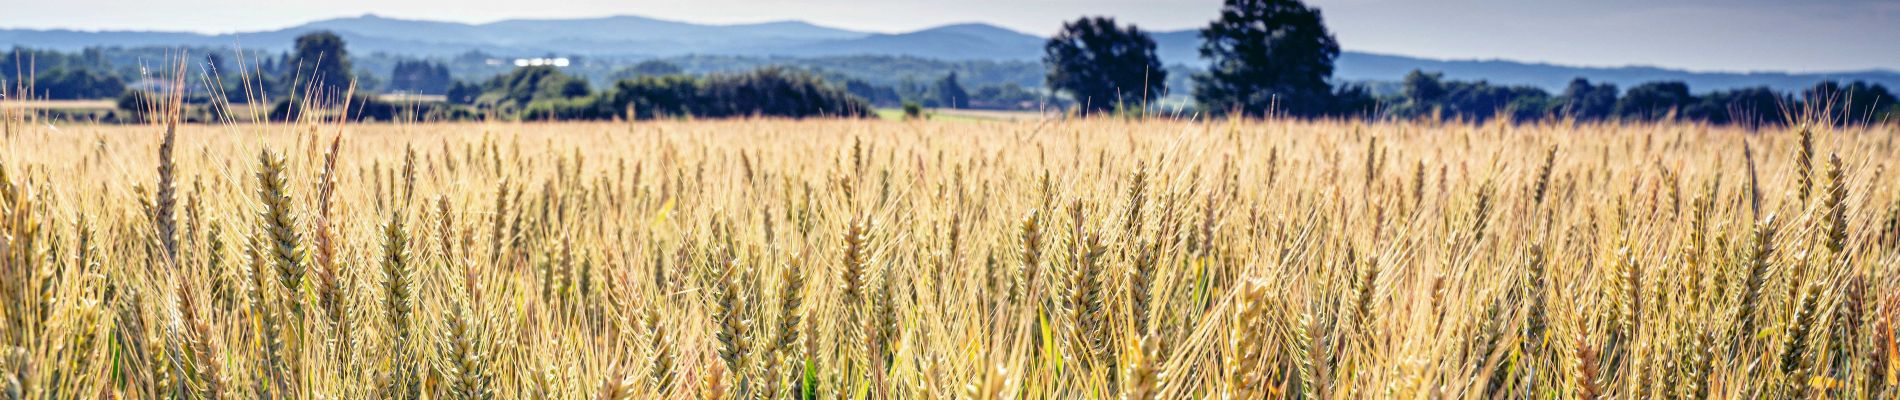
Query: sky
point(1703, 35)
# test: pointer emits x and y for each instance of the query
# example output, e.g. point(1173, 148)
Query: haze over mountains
point(639, 37)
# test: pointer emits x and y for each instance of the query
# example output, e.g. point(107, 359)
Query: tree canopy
point(950, 93)
point(1427, 94)
point(54, 75)
point(1430, 95)
point(1265, 56)
point(421, 77)
point(648, 68)
point(1856, 102)
point(527, 84)
point(1587, 102)
point(1653, 101)
point(1102, 65)
point(320, 65)
point(767, 92)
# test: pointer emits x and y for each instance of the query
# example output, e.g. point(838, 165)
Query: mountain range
point(634, 37)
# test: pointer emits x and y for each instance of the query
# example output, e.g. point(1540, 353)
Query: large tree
point(1852, 103)
point(1654, 100)
point(1264, 54)
point(950, 94)
point(1103, 65)
point(1586, 101)
point(321, 66)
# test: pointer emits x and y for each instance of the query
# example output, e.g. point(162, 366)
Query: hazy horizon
point(1696, 35)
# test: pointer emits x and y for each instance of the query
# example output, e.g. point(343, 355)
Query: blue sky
point(1732, 35)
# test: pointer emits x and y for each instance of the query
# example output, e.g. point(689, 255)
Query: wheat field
point(1095, 258)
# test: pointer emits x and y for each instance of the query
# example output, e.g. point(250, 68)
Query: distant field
point(61, 104)
point(419, 98)
point(885, 113)
point(962, 257)
point(111, 104)
point(968, 115)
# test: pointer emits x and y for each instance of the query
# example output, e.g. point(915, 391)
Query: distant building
point(163, 86)
point(558, 62)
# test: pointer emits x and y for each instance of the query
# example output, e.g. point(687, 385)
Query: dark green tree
point(1354, 101)
point(320, 65)
point(1748, 106)
point(135, 105)
point(912, 110)
point(59, 76)
point(76, 84)
point(652, 97)
point(215, 62)
point(767, 92)
point(1102, 65)
point(1853, 103)
point(950, 94)
point(1654, 100)
point(527, 84)
point(422, 77)
point(21, 62)
point(460, 92)
point(1263, 54)
point(1586, 101)
point(777, 92)
point(1424, 88)
point(648, 68)
point(1430, 95)
point(882, 96)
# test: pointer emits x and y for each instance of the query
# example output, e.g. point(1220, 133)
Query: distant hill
point(951, 42)
point(641, 37)
point(607, 36)
point(1369, 66)
point(1183, 47)
point(1178, 47)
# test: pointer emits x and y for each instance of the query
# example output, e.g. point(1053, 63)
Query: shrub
point(769, 92)
point(133, 105)
point(912, 110)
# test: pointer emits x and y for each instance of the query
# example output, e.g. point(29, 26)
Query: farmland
point(1043, 258)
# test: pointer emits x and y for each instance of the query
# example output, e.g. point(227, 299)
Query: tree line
point(1429, 95)
point(545, 93)
point(324, 81)
point(1276, 57)
point(52, 75)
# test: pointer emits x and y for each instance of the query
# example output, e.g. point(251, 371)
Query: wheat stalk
point(1804, 166)
point(1076, 258)
point(166, 200)
point(397, 292)
point(279, 228)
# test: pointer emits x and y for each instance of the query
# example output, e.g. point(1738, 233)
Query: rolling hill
point(642, 37)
